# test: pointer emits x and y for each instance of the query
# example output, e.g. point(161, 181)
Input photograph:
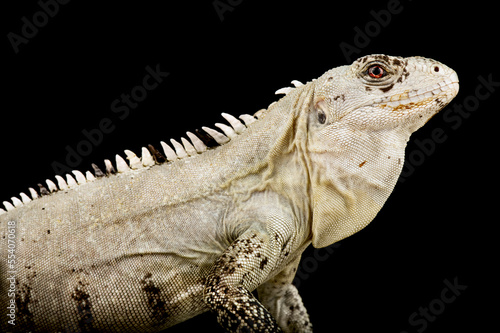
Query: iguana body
point(145, 248)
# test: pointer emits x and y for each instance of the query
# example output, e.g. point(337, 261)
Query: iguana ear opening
point(320, 111)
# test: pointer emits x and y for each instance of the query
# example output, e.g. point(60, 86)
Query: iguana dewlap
point(147, 244)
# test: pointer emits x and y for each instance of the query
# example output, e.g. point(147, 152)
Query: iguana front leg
point(282, 299)
point(242, 267)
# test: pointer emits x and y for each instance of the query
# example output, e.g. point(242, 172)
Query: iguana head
point(361, 117)
point(383, 92)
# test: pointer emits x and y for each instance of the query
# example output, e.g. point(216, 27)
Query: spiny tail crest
point(150, 156)
point(200, 142)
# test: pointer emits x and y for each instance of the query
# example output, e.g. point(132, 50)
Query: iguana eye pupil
point(376, 71)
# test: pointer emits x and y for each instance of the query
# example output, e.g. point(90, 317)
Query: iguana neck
point(283, 168)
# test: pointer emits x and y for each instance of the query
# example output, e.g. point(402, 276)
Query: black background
point(438, 224)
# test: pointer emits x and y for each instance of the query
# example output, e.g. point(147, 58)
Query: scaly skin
point(144, 249)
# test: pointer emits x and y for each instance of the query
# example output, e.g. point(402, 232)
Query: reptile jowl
point(200, 224)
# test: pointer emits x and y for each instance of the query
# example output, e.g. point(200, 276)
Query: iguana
point(148, 244)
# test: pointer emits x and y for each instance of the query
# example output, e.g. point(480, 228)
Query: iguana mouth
point(415, 97)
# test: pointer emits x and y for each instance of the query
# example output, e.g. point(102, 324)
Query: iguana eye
point(376, 71)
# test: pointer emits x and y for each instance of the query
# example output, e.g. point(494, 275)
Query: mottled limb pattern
point(286, 306)
point(283, 301)
point(243, 264)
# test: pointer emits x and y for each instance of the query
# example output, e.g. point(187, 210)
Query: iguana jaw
point(414, 108)
point(414, 98)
